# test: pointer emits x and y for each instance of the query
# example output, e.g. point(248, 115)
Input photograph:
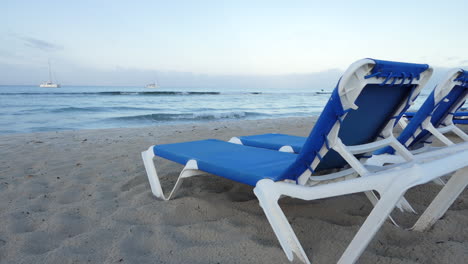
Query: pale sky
point(92, 42)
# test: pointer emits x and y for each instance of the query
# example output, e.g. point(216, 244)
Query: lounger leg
point(460, 133)
point(268, 199)
point(404, 205)
point(443, 200)
point(190, 169)
point(372, 224)
point(429, 127)
point(153, 178)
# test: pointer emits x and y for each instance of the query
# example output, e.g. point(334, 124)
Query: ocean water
point(35, 109)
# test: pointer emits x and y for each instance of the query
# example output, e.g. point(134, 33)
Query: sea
point(26, 109)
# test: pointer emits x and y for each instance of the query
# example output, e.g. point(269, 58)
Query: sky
point(184, 43)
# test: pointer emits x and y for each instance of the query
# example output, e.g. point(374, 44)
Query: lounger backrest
point(368, 99)
point(440, 106)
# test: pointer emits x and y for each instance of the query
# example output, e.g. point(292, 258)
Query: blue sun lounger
point(357, 120)
point(435, 117)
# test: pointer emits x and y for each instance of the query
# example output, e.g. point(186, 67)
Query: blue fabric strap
point(327, 144)
point(396, 70)
point(318, 156)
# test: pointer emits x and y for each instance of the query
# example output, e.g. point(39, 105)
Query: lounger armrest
point(446, 129)
point(436, 132)
point(433, 164)
point(364, 148)
point(453, 128)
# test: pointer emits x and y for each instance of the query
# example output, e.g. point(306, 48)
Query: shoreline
point(179, 126)
point(83, 197)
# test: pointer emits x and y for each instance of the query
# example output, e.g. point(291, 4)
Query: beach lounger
point(433, 119)
point(365, 101)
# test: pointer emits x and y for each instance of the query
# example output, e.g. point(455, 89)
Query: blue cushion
point(377, 104)
point(354, 127)
point(236, 162)
point(461, 121)
point(274, 141)
point(461, 118)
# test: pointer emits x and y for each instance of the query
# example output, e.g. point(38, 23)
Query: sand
point(83, 197)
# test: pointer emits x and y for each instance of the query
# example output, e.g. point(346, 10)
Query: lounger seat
point(235, 162)
point(274, 141)
point(460, 118)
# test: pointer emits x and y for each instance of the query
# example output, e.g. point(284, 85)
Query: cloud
point(40, 44)
point(463, 62)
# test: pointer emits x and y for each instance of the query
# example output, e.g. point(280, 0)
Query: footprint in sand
point(135, 181)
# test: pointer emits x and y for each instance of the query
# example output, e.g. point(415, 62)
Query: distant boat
point(323, 92)
point(49, 83)
point(152, 85)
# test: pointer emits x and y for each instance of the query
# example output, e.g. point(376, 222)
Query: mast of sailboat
point(50, 73)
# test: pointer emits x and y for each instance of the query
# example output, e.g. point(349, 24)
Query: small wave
point(101, 109)
point(75, 109)
point(194, 116)
point(159, 93)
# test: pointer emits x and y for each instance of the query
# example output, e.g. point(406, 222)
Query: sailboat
point(153, 85)
point(49, 83)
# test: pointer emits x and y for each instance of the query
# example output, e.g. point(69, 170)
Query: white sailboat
point(49, 83)
point(153, 85)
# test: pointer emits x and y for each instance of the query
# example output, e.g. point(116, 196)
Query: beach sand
point(83, 197)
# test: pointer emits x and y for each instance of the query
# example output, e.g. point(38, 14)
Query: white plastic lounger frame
point(391, 185)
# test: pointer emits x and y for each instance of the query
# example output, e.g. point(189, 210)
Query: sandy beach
point(83, 197)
